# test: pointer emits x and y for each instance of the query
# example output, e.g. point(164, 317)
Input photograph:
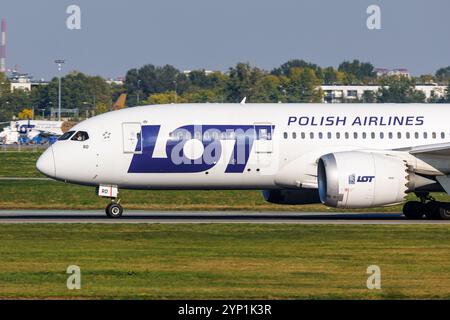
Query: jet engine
point(358, 179)
point(292, 197)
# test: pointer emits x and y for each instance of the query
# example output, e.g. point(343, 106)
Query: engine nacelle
point(292, 197)
point(361, 179)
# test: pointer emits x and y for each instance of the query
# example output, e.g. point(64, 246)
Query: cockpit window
point(66, 135)
point(80, 136)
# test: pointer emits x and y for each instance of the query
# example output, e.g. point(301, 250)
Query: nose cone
point(46, 163)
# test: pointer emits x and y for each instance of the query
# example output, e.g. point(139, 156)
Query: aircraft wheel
point(413, 210)
point(432, 210)
point(114, 210)
point(444, 211)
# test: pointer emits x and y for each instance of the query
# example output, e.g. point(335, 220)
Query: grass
point(224, 261)
point(19, 164)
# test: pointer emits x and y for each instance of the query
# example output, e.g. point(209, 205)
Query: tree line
point(292, 82)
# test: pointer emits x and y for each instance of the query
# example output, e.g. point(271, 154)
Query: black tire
point(432, 210)
point(444, 211)
point(114, 210)
point(413, 210)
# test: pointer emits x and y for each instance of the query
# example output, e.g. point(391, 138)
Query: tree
point(269, 88)
point(399, 89)
point(443, 75)
point(201, 96)
point(303, 86)
point(5, 86)
point(362, 71)
point(447, 94)
point(102, 108)
point(78, 91)
point(368, 96)
point(164, 98)
point(241, 82)
point(285, 68)
point(26, 114)
point(150, 79)
point(426, 79)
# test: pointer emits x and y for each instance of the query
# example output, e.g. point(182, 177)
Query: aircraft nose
point(46, 163)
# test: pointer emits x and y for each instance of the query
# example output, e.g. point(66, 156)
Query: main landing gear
point(428, 207)
point(114, 209)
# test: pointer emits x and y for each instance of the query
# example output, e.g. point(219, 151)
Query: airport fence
point(23, 148)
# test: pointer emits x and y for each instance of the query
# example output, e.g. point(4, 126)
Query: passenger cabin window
point(66, 136)
point(80, 136)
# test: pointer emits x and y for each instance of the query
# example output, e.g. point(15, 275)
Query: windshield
point(80, 136)
point(66, 135)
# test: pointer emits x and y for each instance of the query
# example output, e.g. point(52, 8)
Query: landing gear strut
point(114, 209)
point(427, 206)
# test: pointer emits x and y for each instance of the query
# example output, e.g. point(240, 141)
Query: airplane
point(30, 128)
point(346, 156)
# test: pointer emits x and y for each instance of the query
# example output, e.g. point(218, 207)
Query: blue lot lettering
point(210, 136)
point(365, 178)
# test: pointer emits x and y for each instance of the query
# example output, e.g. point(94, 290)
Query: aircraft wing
point(439, 149)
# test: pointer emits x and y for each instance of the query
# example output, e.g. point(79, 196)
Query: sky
point(215, 35)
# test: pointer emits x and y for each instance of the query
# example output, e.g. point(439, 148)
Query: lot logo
point(192, 148)
point(352, 179)
point(365, 178)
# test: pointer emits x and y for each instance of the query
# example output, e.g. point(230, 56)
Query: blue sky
point(190, 34)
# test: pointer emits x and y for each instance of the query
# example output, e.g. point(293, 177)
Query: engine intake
point(358, 179)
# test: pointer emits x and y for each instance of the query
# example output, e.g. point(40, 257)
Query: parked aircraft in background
point(31, 129)
point(346, 156)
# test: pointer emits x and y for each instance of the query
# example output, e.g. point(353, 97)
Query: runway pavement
point(132, 216)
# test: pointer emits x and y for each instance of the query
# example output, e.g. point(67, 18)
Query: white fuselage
point(238, 146)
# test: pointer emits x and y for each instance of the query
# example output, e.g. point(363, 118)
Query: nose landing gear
point(428, 207)
point(114, 209)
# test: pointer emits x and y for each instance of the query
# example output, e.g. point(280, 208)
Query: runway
point(136, 216)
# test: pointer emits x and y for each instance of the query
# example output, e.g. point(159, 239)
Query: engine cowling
point(361, 179)
point(292, 197)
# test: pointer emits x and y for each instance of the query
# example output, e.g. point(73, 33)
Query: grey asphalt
point(135, 216)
